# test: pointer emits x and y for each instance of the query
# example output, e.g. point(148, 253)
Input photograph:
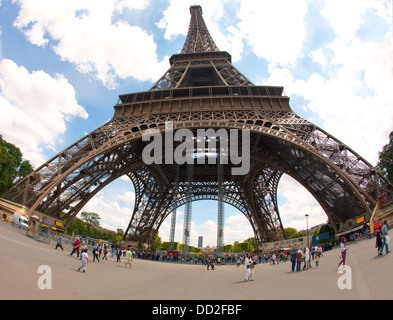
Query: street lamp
point(308, 238)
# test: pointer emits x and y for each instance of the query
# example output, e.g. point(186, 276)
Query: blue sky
point(63, 64)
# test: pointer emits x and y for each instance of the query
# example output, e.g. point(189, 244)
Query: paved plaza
point(370, 277)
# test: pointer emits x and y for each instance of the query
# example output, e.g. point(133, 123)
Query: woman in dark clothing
point(96, 251)
point(298, 260)
point(379, 241)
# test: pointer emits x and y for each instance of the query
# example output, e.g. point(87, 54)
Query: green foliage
point(385, 163)
point(291, 233)
point(327, 228)
point(84, 228)
point(165, 246)
point(12, 167)
point(91, 218)
point(245, 246)
point(156, 243)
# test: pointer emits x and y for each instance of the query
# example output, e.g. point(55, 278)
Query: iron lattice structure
point(202, 89)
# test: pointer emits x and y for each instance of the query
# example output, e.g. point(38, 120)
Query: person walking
point(59, 242)
point(118, 255)
point(105, 252)
point(274, 258)
point(83, 246)
point(385, 237)
point(84, 260)
point(378, 240)
point(248, 262)
point(293, 260)
point(96, 252)
point(344, 249)
point(252, 268)
point(307, 262)
point(128, 258)
point(77, 244)
point(317, 260)
point(298, 260)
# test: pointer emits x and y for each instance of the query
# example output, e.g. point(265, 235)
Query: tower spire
point(200, 63)
point(198, 37)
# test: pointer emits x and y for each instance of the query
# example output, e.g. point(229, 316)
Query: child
point(128, 258)
point(85, 261)
point(317, 260)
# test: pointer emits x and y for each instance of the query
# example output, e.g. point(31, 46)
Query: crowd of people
point(300, 259)
point(99, 252)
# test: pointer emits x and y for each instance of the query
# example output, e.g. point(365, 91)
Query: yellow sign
point(360, 220)
point(58, 223)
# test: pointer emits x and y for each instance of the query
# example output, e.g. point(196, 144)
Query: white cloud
point(175, 20)
point(131, 4)
point(274, 29)
point(34, 108)
point(112, 214)
point(237, 220)
point(352, 92)
point(128, 197)
point(237, 228)
point(297, 202)
point(82, 32)
point(346, 16)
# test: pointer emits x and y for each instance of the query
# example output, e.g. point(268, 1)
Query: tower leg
point(220, 222)
point(187, 216)
point(173, 217)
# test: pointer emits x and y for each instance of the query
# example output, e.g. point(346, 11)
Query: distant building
point(200, 242)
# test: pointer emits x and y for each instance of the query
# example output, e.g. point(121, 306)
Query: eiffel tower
point(203, 90)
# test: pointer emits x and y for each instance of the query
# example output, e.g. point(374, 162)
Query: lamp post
point(308, 238)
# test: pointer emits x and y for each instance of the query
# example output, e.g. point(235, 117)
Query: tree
point(156, 244)
point(327, 228)
point(385, 163)
point(12, 166)
point(91, 218)
point(120, 232)
point(244, 246)
point(80, 227)
point(291, 233)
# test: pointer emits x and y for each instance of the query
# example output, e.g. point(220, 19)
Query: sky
point(63, 64)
